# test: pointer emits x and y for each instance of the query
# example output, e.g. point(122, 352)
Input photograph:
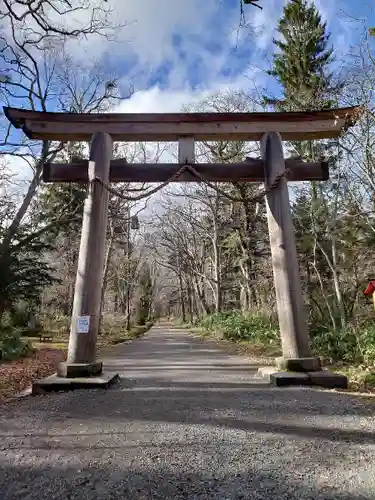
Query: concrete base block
point(74, 370)
point(322, 378)
point(266, 371)
point(312, 364)
point(287, 379)
point(329, 380)
point(54, 383)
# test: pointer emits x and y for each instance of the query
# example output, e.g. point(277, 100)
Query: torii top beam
point(130, 127)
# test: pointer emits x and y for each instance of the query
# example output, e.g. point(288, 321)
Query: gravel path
point(187, 421)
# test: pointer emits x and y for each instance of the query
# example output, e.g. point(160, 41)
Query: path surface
point(186, 421)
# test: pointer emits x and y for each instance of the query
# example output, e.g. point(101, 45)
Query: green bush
point(12, 346)
point(22, 318)
point(141, 319)
point(138, 330)
point(239, 327)
point(19, 316)
point(353, 344)
point(366, 345)
point(337, 345)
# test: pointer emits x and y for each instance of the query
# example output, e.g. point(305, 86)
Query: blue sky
point(176, 51)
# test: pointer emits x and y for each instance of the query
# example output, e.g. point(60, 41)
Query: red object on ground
point(370, 288)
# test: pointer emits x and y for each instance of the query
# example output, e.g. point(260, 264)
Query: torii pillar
point(297, 366)
point(81, 361)
point(82, 369)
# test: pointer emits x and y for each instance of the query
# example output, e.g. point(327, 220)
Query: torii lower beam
point(251, 170)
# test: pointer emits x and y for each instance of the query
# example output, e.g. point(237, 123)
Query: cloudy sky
point(176, 51)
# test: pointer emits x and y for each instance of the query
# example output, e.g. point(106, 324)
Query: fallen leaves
point(18, 375)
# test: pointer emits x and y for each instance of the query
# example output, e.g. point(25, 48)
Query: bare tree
point(41, 75)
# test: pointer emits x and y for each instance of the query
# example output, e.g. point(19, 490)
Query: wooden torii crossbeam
point(129, 127)
point(251, 170)
point(186, 128)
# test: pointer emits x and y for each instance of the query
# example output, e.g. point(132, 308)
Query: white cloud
point(327, 8)
point(15, 173)
point(148, 27)
point(181, 34)
point(156, 100)
point(265, 21)
point(343, 30)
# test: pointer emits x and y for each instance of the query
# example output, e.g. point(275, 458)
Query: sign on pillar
point(83, 324)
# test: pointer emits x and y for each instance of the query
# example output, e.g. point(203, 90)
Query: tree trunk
point(200, 295)
point(15, 224)
point(217, 271)
point(190, 302)
point(107, 261)
point(181, 295)
point(330, 312)
point(217, 256)
point(332, 264)
point(11, 231)
point(339, 298)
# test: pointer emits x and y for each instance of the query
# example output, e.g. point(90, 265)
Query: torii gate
point(82, 369)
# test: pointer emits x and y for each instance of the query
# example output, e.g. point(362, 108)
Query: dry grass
point(17, 375)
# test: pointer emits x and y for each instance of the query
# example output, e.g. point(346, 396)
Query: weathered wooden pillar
point(290, 306)
point(84, 328)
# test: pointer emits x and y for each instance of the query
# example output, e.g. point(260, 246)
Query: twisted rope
point(253, 199)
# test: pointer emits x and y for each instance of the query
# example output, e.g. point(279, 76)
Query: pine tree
point(302, 64)
point(60, 207)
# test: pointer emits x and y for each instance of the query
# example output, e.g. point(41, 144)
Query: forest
point(191, 253)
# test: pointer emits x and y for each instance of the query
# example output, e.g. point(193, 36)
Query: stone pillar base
point(321, 378)
point(80, 370)
point(54, 383)
point(303, 365)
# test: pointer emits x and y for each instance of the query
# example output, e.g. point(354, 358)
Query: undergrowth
point(12, 346)
point(349, 350)
point(256, 329)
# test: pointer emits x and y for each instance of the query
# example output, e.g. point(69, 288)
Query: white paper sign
point(83, 324)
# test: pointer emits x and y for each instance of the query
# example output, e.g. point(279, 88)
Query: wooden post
point(81, 360)
point(186, 150)
point(128, 273)
point(251, 170)
point(290, 306)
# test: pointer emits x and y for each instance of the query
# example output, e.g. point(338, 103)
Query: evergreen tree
point(60, 207)
point(302, 67)
point(302, 64)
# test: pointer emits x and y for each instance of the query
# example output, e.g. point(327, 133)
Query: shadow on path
point(187, 420)
point(159, 483)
